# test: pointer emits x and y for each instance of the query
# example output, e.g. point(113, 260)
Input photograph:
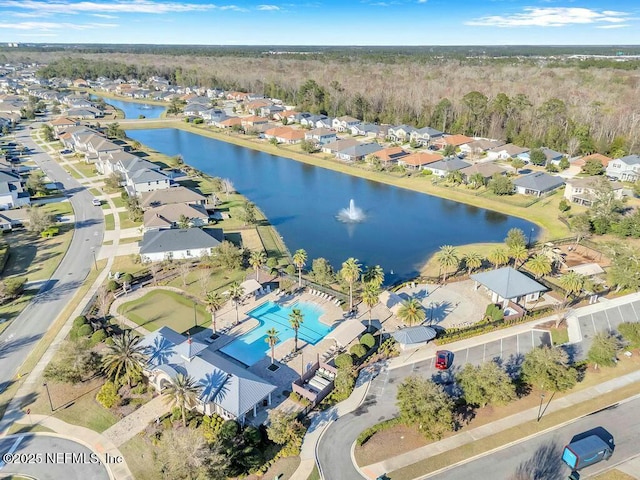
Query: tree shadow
point(544, 464)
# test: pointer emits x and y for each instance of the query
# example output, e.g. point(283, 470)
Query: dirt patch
point(284, 466)
point(578, 255)
point(389, 443)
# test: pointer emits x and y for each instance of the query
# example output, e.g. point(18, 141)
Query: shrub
point(494, 313)
point(367, 340)
point(79, 321)
point(112, 286)
point(344, 360)
point(108, 395)
point(109, 341)
point(139, 389)
point(358, 350)
point(211, 427)
point(198, 121)
point(564, 205)
point(84, 331)
point(290, 269)
point(378, 427)
point(631, 333)
point(98, 337)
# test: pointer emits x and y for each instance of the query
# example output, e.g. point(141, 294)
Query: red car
point(444, 358)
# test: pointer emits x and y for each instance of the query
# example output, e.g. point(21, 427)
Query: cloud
point(268, 7)
point(119, 6)
point(551, 17)
point(617, 25)
point(102, 15)
point(47, 26)
point(423, 1)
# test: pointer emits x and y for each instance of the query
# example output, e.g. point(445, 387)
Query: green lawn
point(139, 455)
point(109, 222)
point(95, 192)
point(160, 308)
point(219, 279)
point(118, 202)
point(87, 169)
point(125, 222)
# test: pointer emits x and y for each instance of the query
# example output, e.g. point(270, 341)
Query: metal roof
point(344, 333)
point(409, 335)
point(508, 282)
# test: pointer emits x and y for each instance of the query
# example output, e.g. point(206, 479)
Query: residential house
point(478, 147)
point(290, 115)
point(310, 121)
point(446, 165)
point(196, 108)
point(321, 136)
point(453, 140)
point(213, 115)
point(228, 123)
point(486, 169)
point(425, 136)
point(98, 145)
point(85, 113)
point(626, 169)
point(255, 106)
point(285, 134)
point(509, 285)
point(338, 145)
point(106, 163)
point(226, 389)
point(145, 180)
point(552, 155)
point(582, 190)
point(603, 159)
point(390, 155)
point(325, 123)
point(365, 130)
point(419, 160)
point(344, 123)
point(537, 183)
point(168, 216)
point(61, 124)
point(179, 244)
point(401, 133)
point(252, 121)
point(504, 152)
point(12, 195)
point(358, 152)
point(171, 196)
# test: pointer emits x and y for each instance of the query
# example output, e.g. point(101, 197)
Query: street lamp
point(48, 395)
point(95, 262)
point(540, 408)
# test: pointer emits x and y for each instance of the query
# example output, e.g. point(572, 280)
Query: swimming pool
point(252, 346)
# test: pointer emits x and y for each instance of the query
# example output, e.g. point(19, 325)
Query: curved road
point(48, 457)
point(17, 341)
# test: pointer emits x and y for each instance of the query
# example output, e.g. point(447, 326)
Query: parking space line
point(533, 342)
point(500, 348)
point(607, 317)
point(484, 351)
point(467, 359)
point(593, 322)
point(517, 344)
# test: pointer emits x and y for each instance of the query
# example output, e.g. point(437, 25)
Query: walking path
point(136, 422)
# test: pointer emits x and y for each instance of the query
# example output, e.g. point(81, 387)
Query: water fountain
point(352, 214)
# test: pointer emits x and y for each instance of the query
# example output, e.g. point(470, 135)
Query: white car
point(96, 202)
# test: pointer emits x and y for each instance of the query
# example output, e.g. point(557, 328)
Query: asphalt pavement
point(17, 341)
point(540, 456)
point(48, 457)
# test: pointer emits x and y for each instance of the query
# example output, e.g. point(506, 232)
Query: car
point(65, 152)
point(444, 359)
point(96, 202)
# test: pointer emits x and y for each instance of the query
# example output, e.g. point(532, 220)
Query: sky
point(322, 22)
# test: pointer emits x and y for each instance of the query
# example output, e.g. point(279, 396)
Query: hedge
point(368, 341)
point(378, 427)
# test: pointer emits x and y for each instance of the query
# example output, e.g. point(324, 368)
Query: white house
point(158, 245)
point(12, 195)
point(625, 168)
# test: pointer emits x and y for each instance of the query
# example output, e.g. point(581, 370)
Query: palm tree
point(454, 177)
point(350, 272)
point(370, 296)
point(214, 301)
point(125, 357)
point(411, 312)
point(236, 292)
point(447, 257)
point(295, 320)
point(374, 275)
point(539, 265)
point(498, 256)
point(517, 163)
point(476, 180)
point(182, 392)
point(257, 259)
point(300, 259)
point(473, 260)
point(184, 222)
point(519, 253)
point(572, 282)
point(272, 339)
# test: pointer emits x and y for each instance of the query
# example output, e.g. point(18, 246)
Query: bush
point(139, 389)
point(344, 360)
point(631, 333)
point(198, 121)
point(367, 340)
point(211, 427)
point(290, 269)
point(494, 313)
point(79, 321)
point(358, 350)
point(108, 395)
point(564, 205)
point(378, 427)
point(112, 286)
point(109, 341)
point(84, 331)
point(98, 337)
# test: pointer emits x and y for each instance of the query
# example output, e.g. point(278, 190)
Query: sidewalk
point(455, 441)
point(134, 423)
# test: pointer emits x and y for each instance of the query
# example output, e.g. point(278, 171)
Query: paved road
point(17, 341)
point(335, 446)
point(540, 456)
point(49, 457)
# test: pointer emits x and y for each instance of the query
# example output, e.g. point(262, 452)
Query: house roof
point(391, 153)
point(422, 158)
point(360, 150)
point(231, 121)
point(411, 335)
point(449, 164)
point(167, 215)
point(134, 163)
point(339, 145)
point(486, 169)
point(170, 195)
point(163, 241)
point(603, 159)
point(539, 181)
point(484, 144)
point(344, 333)
point(591, 182)
point(146, 175)
point(63, 121)
point(511, 149)
point(232, 387)
point(551, 154)
point(508, 282)
point(630, 159)
point(456, 140)
point(432, 132)
point(321, 132)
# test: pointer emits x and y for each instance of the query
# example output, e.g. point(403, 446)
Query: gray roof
point(539, 181)
point(223, 383)
point(630, 159)
point(161, 241)
point(170, 195)
point(551, 154)
point(432, 132)
point(411, 335)
point(360, 150)
point(449, 164)
point(508, 282)
point(136, 163)
point(7, 176)
point(145, 175)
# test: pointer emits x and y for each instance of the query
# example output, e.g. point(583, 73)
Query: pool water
point(252, 346)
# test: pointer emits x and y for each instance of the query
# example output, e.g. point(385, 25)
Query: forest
point(577, 108)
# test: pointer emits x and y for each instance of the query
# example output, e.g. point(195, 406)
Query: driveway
point(49, 457)
point(17, 341)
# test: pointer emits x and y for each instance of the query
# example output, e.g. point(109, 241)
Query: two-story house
point(626, 169)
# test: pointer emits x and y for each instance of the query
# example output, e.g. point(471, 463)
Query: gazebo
point(344, 333)
point(508, 284)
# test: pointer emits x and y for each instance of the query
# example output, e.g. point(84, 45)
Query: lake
point(401, 230)
point(134, 109)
